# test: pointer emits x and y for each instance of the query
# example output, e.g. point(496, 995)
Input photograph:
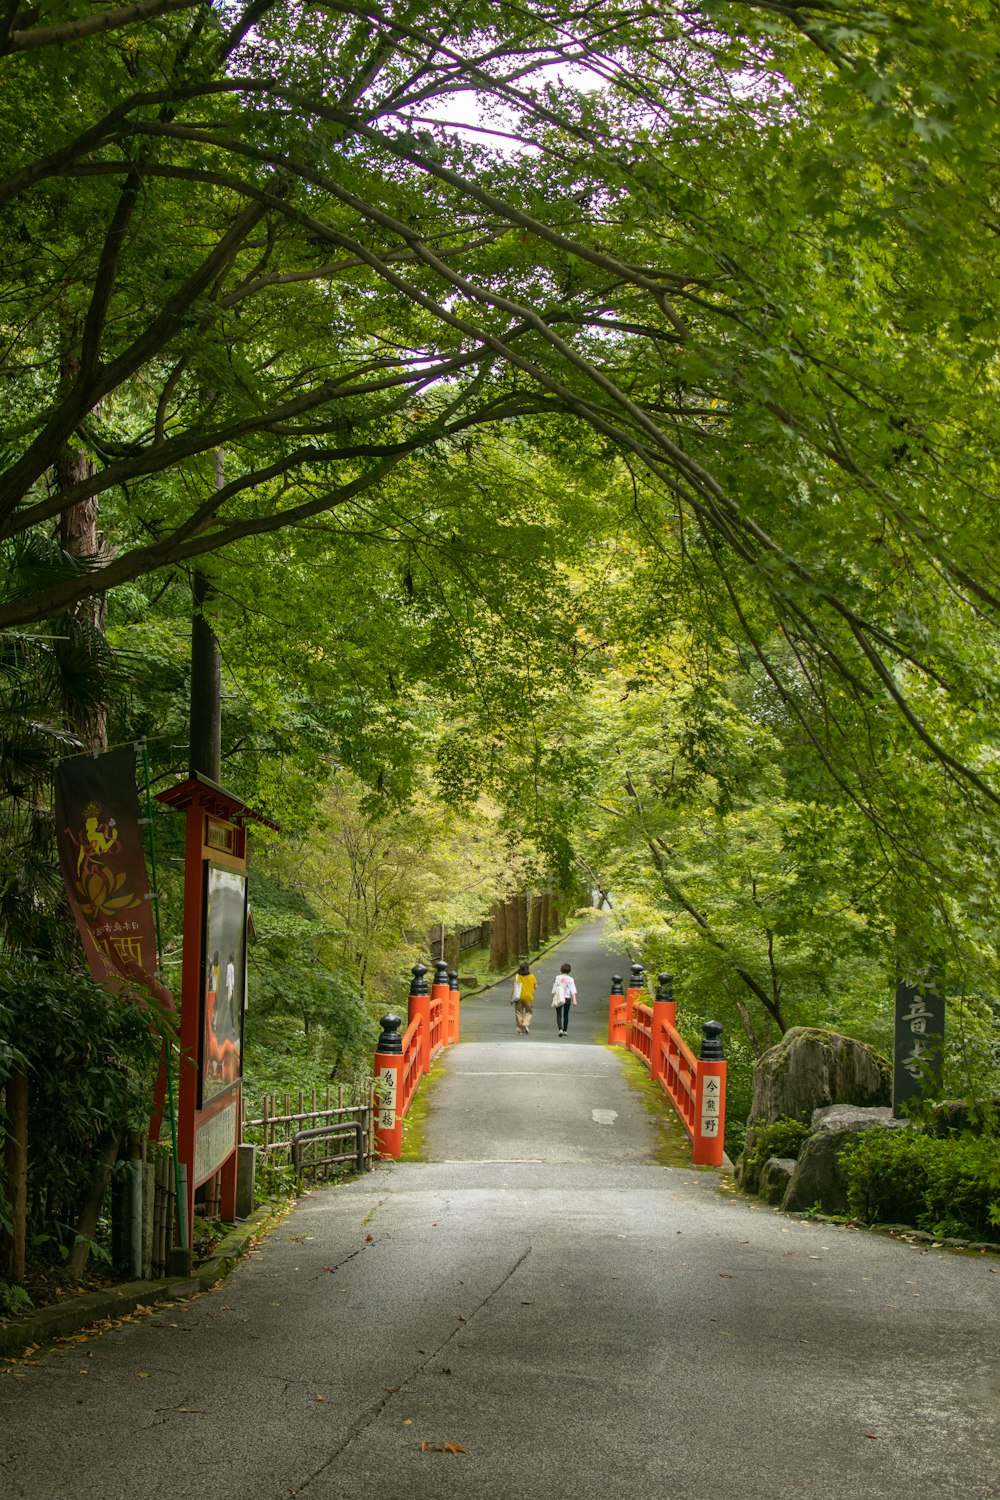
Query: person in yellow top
point(523, 998)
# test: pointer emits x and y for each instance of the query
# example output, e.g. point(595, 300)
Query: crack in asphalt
point(332, 1270)
point(360, 1426)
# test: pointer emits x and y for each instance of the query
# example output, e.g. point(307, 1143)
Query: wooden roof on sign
point(213, 798)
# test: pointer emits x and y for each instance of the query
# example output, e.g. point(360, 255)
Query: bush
point(91, 1060)
point(782, 1137)
point(949, 1186)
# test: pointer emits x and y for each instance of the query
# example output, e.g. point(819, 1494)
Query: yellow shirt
point(527, 983)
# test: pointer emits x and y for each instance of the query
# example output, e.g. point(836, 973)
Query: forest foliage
point(585, 419)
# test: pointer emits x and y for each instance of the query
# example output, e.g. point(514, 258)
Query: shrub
point(91, 1062)
point(949, 1185)
point(783, 1137)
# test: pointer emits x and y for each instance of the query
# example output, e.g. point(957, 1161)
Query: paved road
point(501, 1096)
point(582, 1329)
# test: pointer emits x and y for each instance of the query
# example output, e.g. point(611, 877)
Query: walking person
point(563, 996)
point(523, 998)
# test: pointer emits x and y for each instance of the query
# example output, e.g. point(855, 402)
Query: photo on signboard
point(223, 980)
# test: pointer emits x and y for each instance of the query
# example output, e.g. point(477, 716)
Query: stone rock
point(817, 1178)
point(957, 1115)
point(811, 1068)
point(775, 1176)
point(855, 1117)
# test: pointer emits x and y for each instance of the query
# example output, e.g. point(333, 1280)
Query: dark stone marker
point(918, 1053)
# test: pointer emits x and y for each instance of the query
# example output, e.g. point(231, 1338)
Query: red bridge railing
point(695, 1086)
point(402, 1060)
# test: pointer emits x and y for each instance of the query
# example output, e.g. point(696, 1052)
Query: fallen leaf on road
point(369, 1239)
point(871, 1435)
point(143, 1375)
point(407, 1421)
point(726, 1275)
point(319, 1398)
point(462, 1318)
point(450, 1448)
point(424, 1446)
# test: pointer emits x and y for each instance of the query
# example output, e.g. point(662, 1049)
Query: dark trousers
point(562, 1016)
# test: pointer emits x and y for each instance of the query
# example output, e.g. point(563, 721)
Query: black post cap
point(419, 985)
point(711, 1044)
point(616, 985)
point(389, 1038)
point(453, 979)
point(638, 977)
point(665, 988)
point(440, 971)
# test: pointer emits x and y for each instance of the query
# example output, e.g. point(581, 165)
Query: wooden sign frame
point(209, 1100)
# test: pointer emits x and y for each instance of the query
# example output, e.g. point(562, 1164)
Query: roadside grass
point(673, 1149)
point(416, 1116)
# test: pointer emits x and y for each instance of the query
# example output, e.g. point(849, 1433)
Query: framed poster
point(223, 980)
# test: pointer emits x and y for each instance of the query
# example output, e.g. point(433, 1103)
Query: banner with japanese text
point(103, 864)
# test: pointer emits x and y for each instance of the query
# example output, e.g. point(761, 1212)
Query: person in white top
point(563, 996)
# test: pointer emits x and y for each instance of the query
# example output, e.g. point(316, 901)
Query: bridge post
point(710, 1100)
point(440, 999)
point(616, 1013)
point(636, 989)
point(456, 1003)
point(664, 1015)
point(419, 1010)
point(388, 1070)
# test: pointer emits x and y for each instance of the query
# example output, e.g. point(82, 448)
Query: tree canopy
point(389, 315)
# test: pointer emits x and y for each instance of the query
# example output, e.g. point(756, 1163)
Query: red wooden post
point(616, 1013)
point(388, 1070)
point(419, 1009)
point(664, 1015)
point(441, 995)
point(456, 1005)
point(634, 993)
point(708, 1142)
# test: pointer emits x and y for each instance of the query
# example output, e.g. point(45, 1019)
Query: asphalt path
point(501, 1096)
point(579, 1329)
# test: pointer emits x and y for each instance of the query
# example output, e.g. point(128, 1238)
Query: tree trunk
point(498, 937)
point(79, 535)
point(205, 748)
point(521, 926)
point(15, 1158)
point(90, 1209)
point(534, 912)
